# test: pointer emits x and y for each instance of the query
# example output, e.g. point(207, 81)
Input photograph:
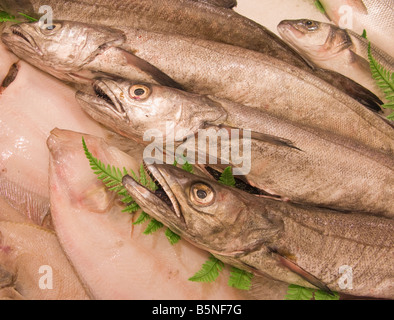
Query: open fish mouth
point(163, 191)
point(22, 34)
point(162, 194)
point(104, 93)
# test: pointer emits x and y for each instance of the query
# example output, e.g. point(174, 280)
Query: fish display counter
point(196, 150)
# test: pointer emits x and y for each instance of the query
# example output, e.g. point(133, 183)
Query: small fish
point(287, 160)
point(300, 245)
point(333, 48)
point(374, 16)
point(78, 52)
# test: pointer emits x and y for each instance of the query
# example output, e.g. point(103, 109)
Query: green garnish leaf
point(295, 292)
point(364, 35)
point(209, 271)
point(384, 79)
point(172, 237)
point(153, 226)
point(227, 177)
point(187, 167)
point(320, 7)
point(28, 17)
point(321, 295)
point(5, 17)
point(143, 217)
point(240, 279)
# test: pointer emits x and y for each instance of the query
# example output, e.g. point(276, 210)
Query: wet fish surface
point(198, 20)
point(287, 160)
point(300, 245)
point(331, 47)
point(208, 68)
point(374, 16)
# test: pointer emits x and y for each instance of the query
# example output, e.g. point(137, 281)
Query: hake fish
point(236, 74)
point(288, 160)
point(374, 16)
point(191, 19)
point(340, 50)
point(294, 244)
point(93, 50)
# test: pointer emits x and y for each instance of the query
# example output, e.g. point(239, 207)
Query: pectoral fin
point(267, 138)
point(302, 273)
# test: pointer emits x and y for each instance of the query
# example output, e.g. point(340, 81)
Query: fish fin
point(359, 6)
point(283, 261)
point(262, 137)
point(159, 76)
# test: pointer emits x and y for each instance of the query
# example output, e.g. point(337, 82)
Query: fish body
point(374, 16)
point(295, 163)
point(78, 52)
point(94, 231)
point(198, 20)
point(340, 50)
point(299, 245)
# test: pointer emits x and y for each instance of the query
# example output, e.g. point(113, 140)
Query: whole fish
point(305, 246)
point(196, 20)
point(331, 47)
point(287, 160)
point(239, 75)
point(92, 51)
point(94, 231)
point(374, 16)
point(35, 265)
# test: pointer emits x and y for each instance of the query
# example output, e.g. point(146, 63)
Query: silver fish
point(288, 160)
point(300, 245)
point(333, 48)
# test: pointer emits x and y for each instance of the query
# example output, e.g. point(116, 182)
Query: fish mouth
point(104, 93)
point(17, 31)
point(162, 194)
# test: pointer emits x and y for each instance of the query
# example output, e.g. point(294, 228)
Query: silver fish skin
point(288, 160)
point(78, 52)
point(333, 48)
point(299, 245)
point(197, 20)
point(219, 3)
point(374, 16)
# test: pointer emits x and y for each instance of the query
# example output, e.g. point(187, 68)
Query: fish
point(376, 17)
point(219, 3)
point(31, 106)
point(198, 21)
point(331, 47)
point(94, 231)
point(203, 67)
point(34, 266)
point(92, 51)
point(287, 160)
point(301, 245)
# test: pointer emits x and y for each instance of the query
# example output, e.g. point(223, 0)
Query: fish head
point(313, 39)
point(212, 216)
point(135, 109)
point(62, 47)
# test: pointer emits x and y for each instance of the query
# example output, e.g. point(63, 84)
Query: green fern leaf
point(227, 177)
point(172, 237)
point(240, 279)
point(209, 271)
point(153, 226)
point(299, 293)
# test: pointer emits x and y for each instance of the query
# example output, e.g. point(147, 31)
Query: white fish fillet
point(30, 107)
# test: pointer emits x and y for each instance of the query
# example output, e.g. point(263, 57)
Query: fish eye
point(50, 28)
point(139, 92)
point(311, 25)
point(202, 194)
